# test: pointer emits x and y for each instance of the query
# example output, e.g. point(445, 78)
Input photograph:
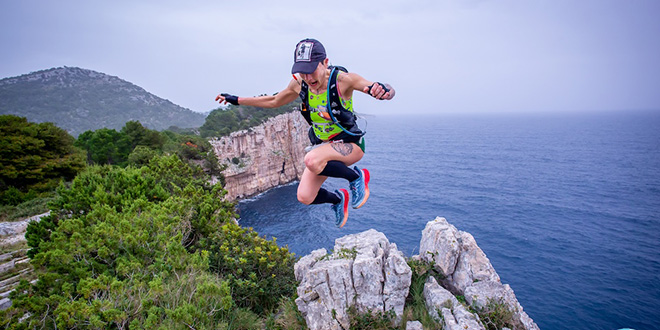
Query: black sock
point(325, 196)
point(337, 169)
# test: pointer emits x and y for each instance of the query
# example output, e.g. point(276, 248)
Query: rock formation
point(365, 270)
point(469, 273)
point(368, 272)
point(263, 157)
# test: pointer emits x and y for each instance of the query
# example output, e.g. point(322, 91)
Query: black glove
point(381, 85)
point(233, 99)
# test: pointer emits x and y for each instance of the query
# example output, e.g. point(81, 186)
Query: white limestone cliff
point(368, 272)
point(263, 157)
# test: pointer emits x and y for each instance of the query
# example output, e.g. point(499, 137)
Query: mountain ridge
point(78, 99)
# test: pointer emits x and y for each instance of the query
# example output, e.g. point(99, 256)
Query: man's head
point(308, 54)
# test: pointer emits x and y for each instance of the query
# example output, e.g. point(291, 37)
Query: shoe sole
point(345, 207)
point(367, 177)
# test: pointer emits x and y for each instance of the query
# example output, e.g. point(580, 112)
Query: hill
point(79, 100)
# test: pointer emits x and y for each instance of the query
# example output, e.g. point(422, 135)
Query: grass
point(39, 205)
point(287, 316)
point(496, 315)
point(371, 320)
point(415, 309)
point(13, 247)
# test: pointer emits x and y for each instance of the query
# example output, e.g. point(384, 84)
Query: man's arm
point(380, 91)
point(266, 101)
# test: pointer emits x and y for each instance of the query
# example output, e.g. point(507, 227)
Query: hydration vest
point(340, 116)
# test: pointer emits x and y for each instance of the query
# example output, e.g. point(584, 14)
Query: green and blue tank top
point(324, 128)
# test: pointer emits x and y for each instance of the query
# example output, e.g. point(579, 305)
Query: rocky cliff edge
point(368, 272)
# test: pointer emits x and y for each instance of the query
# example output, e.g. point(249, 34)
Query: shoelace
point(356, 187)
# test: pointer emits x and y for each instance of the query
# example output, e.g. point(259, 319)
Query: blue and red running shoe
point(341, 208)
point(360, 188)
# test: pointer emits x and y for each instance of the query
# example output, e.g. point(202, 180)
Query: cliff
point(263, 157)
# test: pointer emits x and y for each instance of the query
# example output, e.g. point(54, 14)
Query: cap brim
point(304, 67)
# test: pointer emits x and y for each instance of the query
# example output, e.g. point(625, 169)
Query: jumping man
point(326, 93)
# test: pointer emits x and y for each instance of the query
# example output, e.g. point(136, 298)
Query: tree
point(105, 146)
point(35, 155)
point(138, 135)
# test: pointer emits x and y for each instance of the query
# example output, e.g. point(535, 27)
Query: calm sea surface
point(565, 207)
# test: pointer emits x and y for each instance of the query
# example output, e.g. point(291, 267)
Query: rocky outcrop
point(14, 265)
point(14, 232)
point(263, 157)
point(365, 270)
point(368, 272)
point(467, 272)
point(443, 305)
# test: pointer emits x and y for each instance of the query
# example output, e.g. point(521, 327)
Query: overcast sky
point(441, 56)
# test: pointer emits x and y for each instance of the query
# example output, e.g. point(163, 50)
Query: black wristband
point(233, 99)
point(381, 85)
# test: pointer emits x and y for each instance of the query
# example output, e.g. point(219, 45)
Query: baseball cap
point(308, 54)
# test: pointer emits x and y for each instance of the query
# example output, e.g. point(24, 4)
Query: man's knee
point(305, 198)
point(314, 163)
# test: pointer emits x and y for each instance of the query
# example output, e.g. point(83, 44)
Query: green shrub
point(141, 155)
point(34, 156)
point(260, 272)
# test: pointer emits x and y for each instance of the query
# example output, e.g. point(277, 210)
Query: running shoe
point(360, 188)
point(341, 208)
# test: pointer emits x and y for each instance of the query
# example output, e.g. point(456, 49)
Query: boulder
point(479, 294)
point(365, 270)
point(455, 254)
point(414, 325)
point(4, 303)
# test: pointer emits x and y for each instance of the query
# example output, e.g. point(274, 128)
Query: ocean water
point(564, 206)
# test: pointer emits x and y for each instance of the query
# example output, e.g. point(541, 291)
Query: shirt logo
point(304, 52)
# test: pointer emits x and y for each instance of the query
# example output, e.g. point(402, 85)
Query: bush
point(288, 317)
point(13, 196)
point(141, 155)
point(260, 272)
point(34, 157)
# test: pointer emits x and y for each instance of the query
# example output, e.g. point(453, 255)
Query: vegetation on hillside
point(148, 247)
point(221, 122)
point(78, 99)
point(36, 157)
point(136, 145)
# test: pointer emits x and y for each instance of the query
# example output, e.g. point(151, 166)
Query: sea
point(565, 206)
